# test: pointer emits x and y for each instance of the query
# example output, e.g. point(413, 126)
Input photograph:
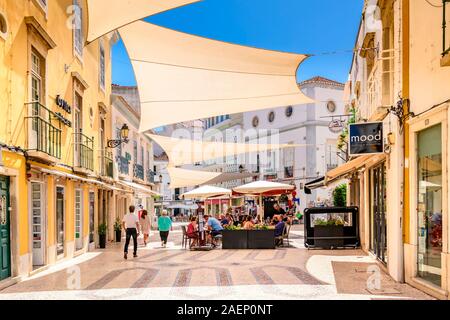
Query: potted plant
point(102, 230)
point(262, 237)
point(118, 229)
point(331, 228)
point(234, 237)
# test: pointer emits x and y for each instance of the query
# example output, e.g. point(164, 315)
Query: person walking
point(130, 223)
point(144, 222)
point(164, 226)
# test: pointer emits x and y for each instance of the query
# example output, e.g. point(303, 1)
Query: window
point(102, 69)
point(78, 29)
point(142, 155)
point(135, 151)
point(331, 106)
point(255, 122)
point(430, 206)
point(289, 155)
point(271, 117)
point(289, 111)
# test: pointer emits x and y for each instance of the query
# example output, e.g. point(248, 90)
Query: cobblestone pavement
point(176, 273)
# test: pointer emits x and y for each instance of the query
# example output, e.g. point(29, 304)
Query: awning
point(139, 189)
point(183, 77)
point(105, 16)
point(315, 184)
point(352, 166)
point(264, 188)
point(186, 151)
point(206, 192)
point(180, 178)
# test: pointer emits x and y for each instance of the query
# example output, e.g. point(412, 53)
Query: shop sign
point(64, 120)
point(336, 126)
point(63, 104)
point(366, 138)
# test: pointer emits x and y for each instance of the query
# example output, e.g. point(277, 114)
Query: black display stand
point(334, 237)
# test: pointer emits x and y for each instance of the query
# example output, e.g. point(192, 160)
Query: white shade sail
point(140, 189)
point(180, 178)
point(105, 16)
point(260, 187)
point(183, 77)
point(206, 192)
point(186, 151)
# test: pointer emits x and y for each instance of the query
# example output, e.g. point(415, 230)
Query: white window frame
point(102, 71)
point(78, 52)
point(430, 119)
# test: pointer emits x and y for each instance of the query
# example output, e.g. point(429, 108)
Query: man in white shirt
point(130, 224)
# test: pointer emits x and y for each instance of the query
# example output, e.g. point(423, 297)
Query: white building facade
point(306, 125)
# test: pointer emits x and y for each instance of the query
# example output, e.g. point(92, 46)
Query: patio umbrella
point(206, 192)
point(264, 188)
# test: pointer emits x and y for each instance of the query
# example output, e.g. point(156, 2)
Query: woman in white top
point(144, 222)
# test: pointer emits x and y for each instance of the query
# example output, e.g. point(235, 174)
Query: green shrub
point(102, 229)
point(340, 196)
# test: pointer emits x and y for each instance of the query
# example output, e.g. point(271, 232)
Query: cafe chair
point(185, 240)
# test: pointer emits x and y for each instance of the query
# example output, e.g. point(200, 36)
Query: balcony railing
point(445, 45)
point(43, 136)
point(123, 165)
point(106, 164)
point(151, 176)
point(138, 171)
point(84, 151)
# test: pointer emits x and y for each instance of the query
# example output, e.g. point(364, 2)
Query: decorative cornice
point(34, 25)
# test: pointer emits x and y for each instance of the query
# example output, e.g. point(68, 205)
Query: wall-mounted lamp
point(123, 138)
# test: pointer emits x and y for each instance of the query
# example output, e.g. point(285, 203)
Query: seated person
point(248, 224)
point(224, 221)
point(279, 228)
point(276, 218)
point(192, 231)
point(229, 218)
point(214, 226)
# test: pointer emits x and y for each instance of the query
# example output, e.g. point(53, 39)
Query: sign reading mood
point(366, 138)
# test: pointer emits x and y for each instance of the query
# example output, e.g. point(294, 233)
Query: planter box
point(118, 235)
point(329, 232)
point(102, 241)
point(234, 239)
point(261, 239)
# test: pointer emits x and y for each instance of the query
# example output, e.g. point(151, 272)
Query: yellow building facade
point(427, 80)
point(54, 125)
point(400, 76)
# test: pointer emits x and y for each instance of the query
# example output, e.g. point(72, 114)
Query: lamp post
point(123, 138)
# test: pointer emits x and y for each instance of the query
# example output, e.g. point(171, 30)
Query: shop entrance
point(5, 254)
point(60, 221)
point(378, 212)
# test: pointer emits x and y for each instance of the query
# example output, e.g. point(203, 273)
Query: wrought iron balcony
point(138, 171)
point(43, 136)
point(151, 176)
point(445, 44)
point(106, 164)
point(123, 165)
point(84, 152)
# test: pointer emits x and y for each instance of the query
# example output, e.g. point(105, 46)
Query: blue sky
point(300, 26)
